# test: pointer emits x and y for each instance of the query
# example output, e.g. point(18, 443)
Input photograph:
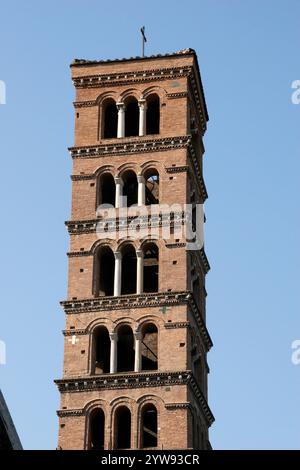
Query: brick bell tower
point(135, 368)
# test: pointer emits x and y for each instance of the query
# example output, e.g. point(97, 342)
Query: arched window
point(110, 119)
point(122, 428)
point(128, 270)
point(131, 118)
point(97, 427)
point(152, 186)
point(151, 273)
point(149, 426)
point(107, 189)
point(196, 290)
point(130, 188)
point(101, 351)
point(125, 355)
point(153, 117)
point(149, 348)
point(104, 272)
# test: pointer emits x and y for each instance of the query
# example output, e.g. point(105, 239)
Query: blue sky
point(248, 54)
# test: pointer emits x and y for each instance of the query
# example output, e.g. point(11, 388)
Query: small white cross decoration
point(73, 339)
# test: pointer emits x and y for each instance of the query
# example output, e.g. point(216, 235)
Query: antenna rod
point(144, 39)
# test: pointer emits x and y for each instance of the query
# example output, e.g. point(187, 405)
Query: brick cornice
point(131, 380)
point(128, 145)
point(145, 300)
point(120, 78)
point(121, 223)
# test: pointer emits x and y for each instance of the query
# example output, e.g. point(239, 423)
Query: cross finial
point(144, 39)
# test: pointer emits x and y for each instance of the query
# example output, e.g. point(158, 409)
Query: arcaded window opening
point(97, 427)
point(123, 428)
point(101, 351)
point(152, 186)
point(107, 189)
point(149, 426)
point(196, 290)
point(151, 268)
point(125, 356)
point(110, 114)
point(104, 272)
point(131, 118)
point(153, 115)
point(149, 347)
point(198, 371)
point(130, 188)
point(128, 270)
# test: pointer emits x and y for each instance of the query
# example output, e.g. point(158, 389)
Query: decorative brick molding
point(183, 324)
point(74, 332)
point(135, 380)
point(177, 169)
point(121, 223)
point(69, 413)
point(82, 177)
point(173, 96)
point(129, 145)
point(140, 301)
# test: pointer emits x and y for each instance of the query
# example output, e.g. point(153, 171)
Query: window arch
point(107, 189)
point(152, 186)
point(131, 117)
point(130, 187)
point(104, 271)
point(151, 267)
point(110, 119)
point(122, 428)
point(96, 429)
point(149, 426)
point(149, 349)
point(125, 350)
point(129, 266)
point(101, 351)
point(153, 114)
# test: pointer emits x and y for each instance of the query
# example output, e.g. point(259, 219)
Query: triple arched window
point(122, 428)
point(128, 189)
point(124, 350)
point(131, 118)
point(126, 271)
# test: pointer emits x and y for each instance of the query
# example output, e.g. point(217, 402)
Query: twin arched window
point(122, 428)
point(131, 118)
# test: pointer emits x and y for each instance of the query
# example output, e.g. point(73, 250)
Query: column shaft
point(118, 273)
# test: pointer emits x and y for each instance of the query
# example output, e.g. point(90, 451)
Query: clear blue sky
point(248, 52)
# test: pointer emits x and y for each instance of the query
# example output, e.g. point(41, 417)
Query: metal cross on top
point(144, 39)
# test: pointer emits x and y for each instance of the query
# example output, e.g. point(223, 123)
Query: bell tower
point(135, 342)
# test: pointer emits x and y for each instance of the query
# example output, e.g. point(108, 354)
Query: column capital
point(138, 335)
point(113, 336)
point(142, 102)
point(139, 253)
point(118, 180)
point(120, 105)
point(140, 179)
point(118, 255)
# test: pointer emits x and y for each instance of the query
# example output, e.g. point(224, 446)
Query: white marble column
point(119, 192)
point(118, 273)
point(139, 271)
point(141, 190)
point(121, 120)
point(138, 351)
point(113, 352)
point(142, 116)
